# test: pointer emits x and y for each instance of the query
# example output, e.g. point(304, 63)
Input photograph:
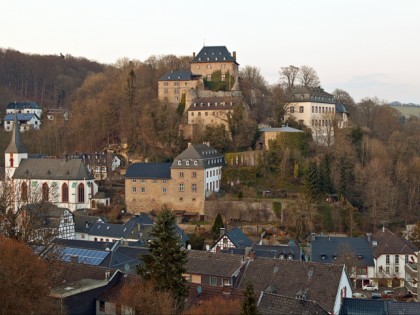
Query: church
point(66, 183)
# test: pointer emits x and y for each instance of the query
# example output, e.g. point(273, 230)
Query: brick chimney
point(222, 231)
point(193, 54)
point(234, 55)
point(251, 256)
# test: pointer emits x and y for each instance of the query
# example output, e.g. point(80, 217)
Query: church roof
point(15, 145)
point(50, 169)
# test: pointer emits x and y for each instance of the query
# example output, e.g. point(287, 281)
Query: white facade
point(389, 266)
point(213, 178)
point(344, 291)
point(27, 122)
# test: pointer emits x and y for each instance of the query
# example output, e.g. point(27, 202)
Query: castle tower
point(15, 152)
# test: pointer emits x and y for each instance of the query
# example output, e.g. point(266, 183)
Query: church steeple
point(15, 152)
point(15, 145)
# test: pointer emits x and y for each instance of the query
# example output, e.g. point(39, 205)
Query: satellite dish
point(126, 267)
point(207, 247)
point(189, 247)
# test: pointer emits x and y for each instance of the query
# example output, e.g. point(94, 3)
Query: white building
point(25, 121)
point(65, 183)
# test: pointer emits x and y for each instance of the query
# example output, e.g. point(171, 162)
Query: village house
point(356, 252)
point(269, 134)
point(63, 182)
point(28, 116)
point(325, 284)
point(231, 239)
point(100, 164)
point(315, 109)
point(391, 254)
point(194, 175)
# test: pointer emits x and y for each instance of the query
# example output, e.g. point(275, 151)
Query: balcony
point(411, 270)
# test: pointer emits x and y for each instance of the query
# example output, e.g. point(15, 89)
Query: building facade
point(185, 184)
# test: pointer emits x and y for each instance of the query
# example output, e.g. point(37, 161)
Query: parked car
point(388, 294)
point(370, 287)
point(376, 296)
point(358, 295)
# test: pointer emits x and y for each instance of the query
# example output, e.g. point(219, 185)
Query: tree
point(218, 223)
point(415, 235)
point(141, 298)
point(24, 281)
point(288, 76)
point(249, 303)
point(165, 263)
point(215, 306)
point(307, 76)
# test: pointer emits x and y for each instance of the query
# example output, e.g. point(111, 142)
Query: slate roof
point(389, 243)
point(275, 251)
point(282, 129)
point(237, 237)
point(83, 244)
point(125, 258)
point(378, 307)
point(15, 145)
point(209, 103)
point(318, 282)
point(202, 153)
point(21, 117)
point(340, 108)
point(50, 169)
point(274, 304)
point(213, 264)
point(149, 170)
point(331, 247)
point(142, 218)
point(177, 76)
point(311, 94)
point(116, 231)
point(214, 54)
point(23, 105)
point(84, 223)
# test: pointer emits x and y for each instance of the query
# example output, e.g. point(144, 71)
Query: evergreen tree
point(164, 264)
point(249, 303)
point(218, 223)
point(311, 181)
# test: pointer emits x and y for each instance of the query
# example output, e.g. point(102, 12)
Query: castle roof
point(214, 54)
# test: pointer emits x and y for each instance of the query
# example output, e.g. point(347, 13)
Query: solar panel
point(84, 256)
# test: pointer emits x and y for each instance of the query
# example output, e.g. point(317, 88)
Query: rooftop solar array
point(84, 256)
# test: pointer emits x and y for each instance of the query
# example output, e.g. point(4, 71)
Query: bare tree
point(288, 76)
point(307, 76)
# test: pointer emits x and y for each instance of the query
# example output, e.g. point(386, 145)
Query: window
point(164, 181)
point(199, 113)
point(143, 180)
point(179, 162)
point(192, 114)
point(387, 269)
point(300, 109)
point(223, 77)
point(154, 180)
point(11, 161)
point(397, 269)
point(134, 189)
point(143, 189)
point(397, 259)
point(102, 306)
point(194, 174)
point(176, 91)
point(133, 180)
point(176, 83)
point(226, 282)
point(165, 83)
point(406, 259)
point(24, 192)
point(65, 193)
point(45, 192)
point(195, 163)
point(187, 163)
point(213, 281)
point(194, 187)
point(181, 187)
point(165, 91)
point(181, 174)
point(209, 77)
point(81, 193)
point(164, 190)
point(292, 109)
point(387, 259)
point(209, 66)
point(313, 109)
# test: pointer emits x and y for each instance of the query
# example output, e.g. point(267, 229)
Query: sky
point(369, 48)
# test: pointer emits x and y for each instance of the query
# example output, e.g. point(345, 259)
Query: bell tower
point(15, 152)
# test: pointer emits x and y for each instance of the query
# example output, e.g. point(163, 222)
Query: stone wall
point(244, 211)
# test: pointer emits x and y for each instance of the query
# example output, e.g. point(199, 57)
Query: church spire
point(15, 145)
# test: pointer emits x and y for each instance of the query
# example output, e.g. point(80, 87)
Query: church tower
point(15, 152)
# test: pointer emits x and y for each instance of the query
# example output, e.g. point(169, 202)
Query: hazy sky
point(368, 47)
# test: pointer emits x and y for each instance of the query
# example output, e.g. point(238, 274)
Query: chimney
point(189, 144)
point(217, 249)
point(234, 55)
point(251, 256)
point(369, 237)
point(193, 54)
point(222, 231)
point(107, 274)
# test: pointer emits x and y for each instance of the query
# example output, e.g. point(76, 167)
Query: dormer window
point(179, 162)
point(323, 257)
point(195, 163)
point(187, 163)
point(334, 257)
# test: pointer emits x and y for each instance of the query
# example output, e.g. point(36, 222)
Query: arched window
point(24, 192)
point(65, 193)
point(45, 192)
point(81, 193)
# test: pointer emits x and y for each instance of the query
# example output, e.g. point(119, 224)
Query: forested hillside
point(374, 165)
